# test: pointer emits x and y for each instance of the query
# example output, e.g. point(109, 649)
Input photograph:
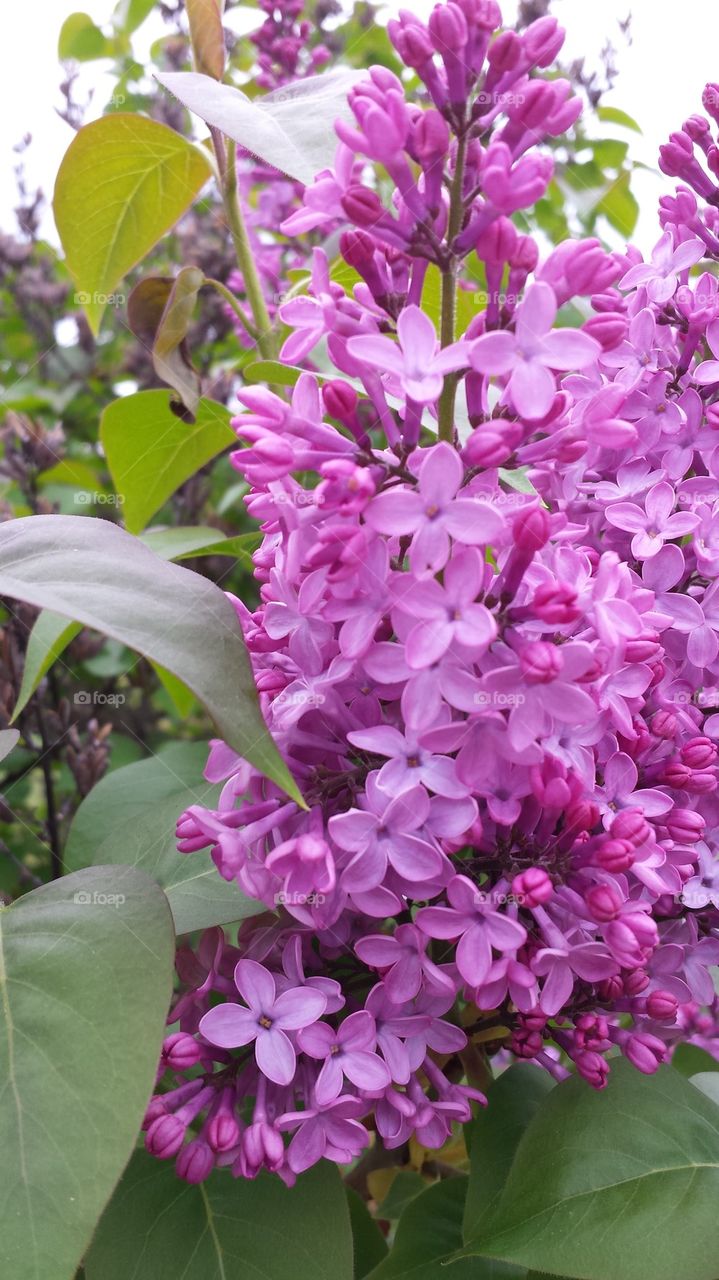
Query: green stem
point(243, 249)
point(231, 300)
point(448, 317)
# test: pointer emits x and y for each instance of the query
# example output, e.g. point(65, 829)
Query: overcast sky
point(674, 51)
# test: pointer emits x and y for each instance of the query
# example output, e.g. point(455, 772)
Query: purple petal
point(298, 1007)
point(255, 984)
point(229, 1026)
point(275, 1055)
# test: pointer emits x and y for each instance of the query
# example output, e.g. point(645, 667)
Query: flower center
point(265, 1022)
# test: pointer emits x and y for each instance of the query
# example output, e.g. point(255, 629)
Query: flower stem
point(243, 249)
point(448, 315)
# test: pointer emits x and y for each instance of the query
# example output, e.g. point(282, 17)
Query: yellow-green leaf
point(123, 182)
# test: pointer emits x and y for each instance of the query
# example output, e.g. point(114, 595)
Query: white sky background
point(674, 51)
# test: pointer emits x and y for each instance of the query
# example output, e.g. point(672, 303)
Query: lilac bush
point(486, 644)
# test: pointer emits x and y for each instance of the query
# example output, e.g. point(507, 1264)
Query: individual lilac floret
point(266, 1020)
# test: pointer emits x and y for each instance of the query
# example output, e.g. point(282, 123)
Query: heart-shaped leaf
point(370, 1246)
point(493, 1138)
point(223, 1229)
point(291, 128)
point(48, 640)
point(429, 1234)
point(613, 1185)
point(123, 182)
point(151, 452)
point(93, 572)
point(86, 978)
point(130, 817)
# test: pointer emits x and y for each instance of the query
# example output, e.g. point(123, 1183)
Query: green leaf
point(49, 638)
point(428, 1235)
point(614, 1185)
point(8, 741)
point(282, 375)
point(159, 312)
point(619, 206)
point(123, 182)
point(188, 543)
point(370, 1246)
point(690, 1060)
point(93, 572)
point(130, 14)
point(225, 1229)
point(86, 975)
point(130, 817)
point(612, 115)
point(517, 479)
point(81, 40)
point(151, 452)
point(404, 1188)
point(291, 128)
point(708, 1082)
point(610, 153)
point(512, 1102)
point(182, 698)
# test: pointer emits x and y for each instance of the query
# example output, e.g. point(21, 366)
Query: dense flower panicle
point(490, 660)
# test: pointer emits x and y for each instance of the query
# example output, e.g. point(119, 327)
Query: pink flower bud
point(615, 855)
point(603, 902)
point(607, 330)
point(556, 603)
point(195, 1162)
point(645, 1052)
point(540, 662)
point(533, 887)
point(664, 725)
point(448, 28)
point(699, 753)
point(593, 1067)
point(684, 825)
point(631, 825)
point(662, 1005)
point(530, 530)
point(165, 1136)
point(181, 1051)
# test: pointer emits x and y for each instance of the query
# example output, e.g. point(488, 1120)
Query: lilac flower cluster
point(490, 659)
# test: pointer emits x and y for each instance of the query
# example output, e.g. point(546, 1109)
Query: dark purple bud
point(181, 1051)
point(664, 725)
point(195, 1162)
point(362, 206)
point(165, 1136)
point(430, 137)
point(556, 602)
